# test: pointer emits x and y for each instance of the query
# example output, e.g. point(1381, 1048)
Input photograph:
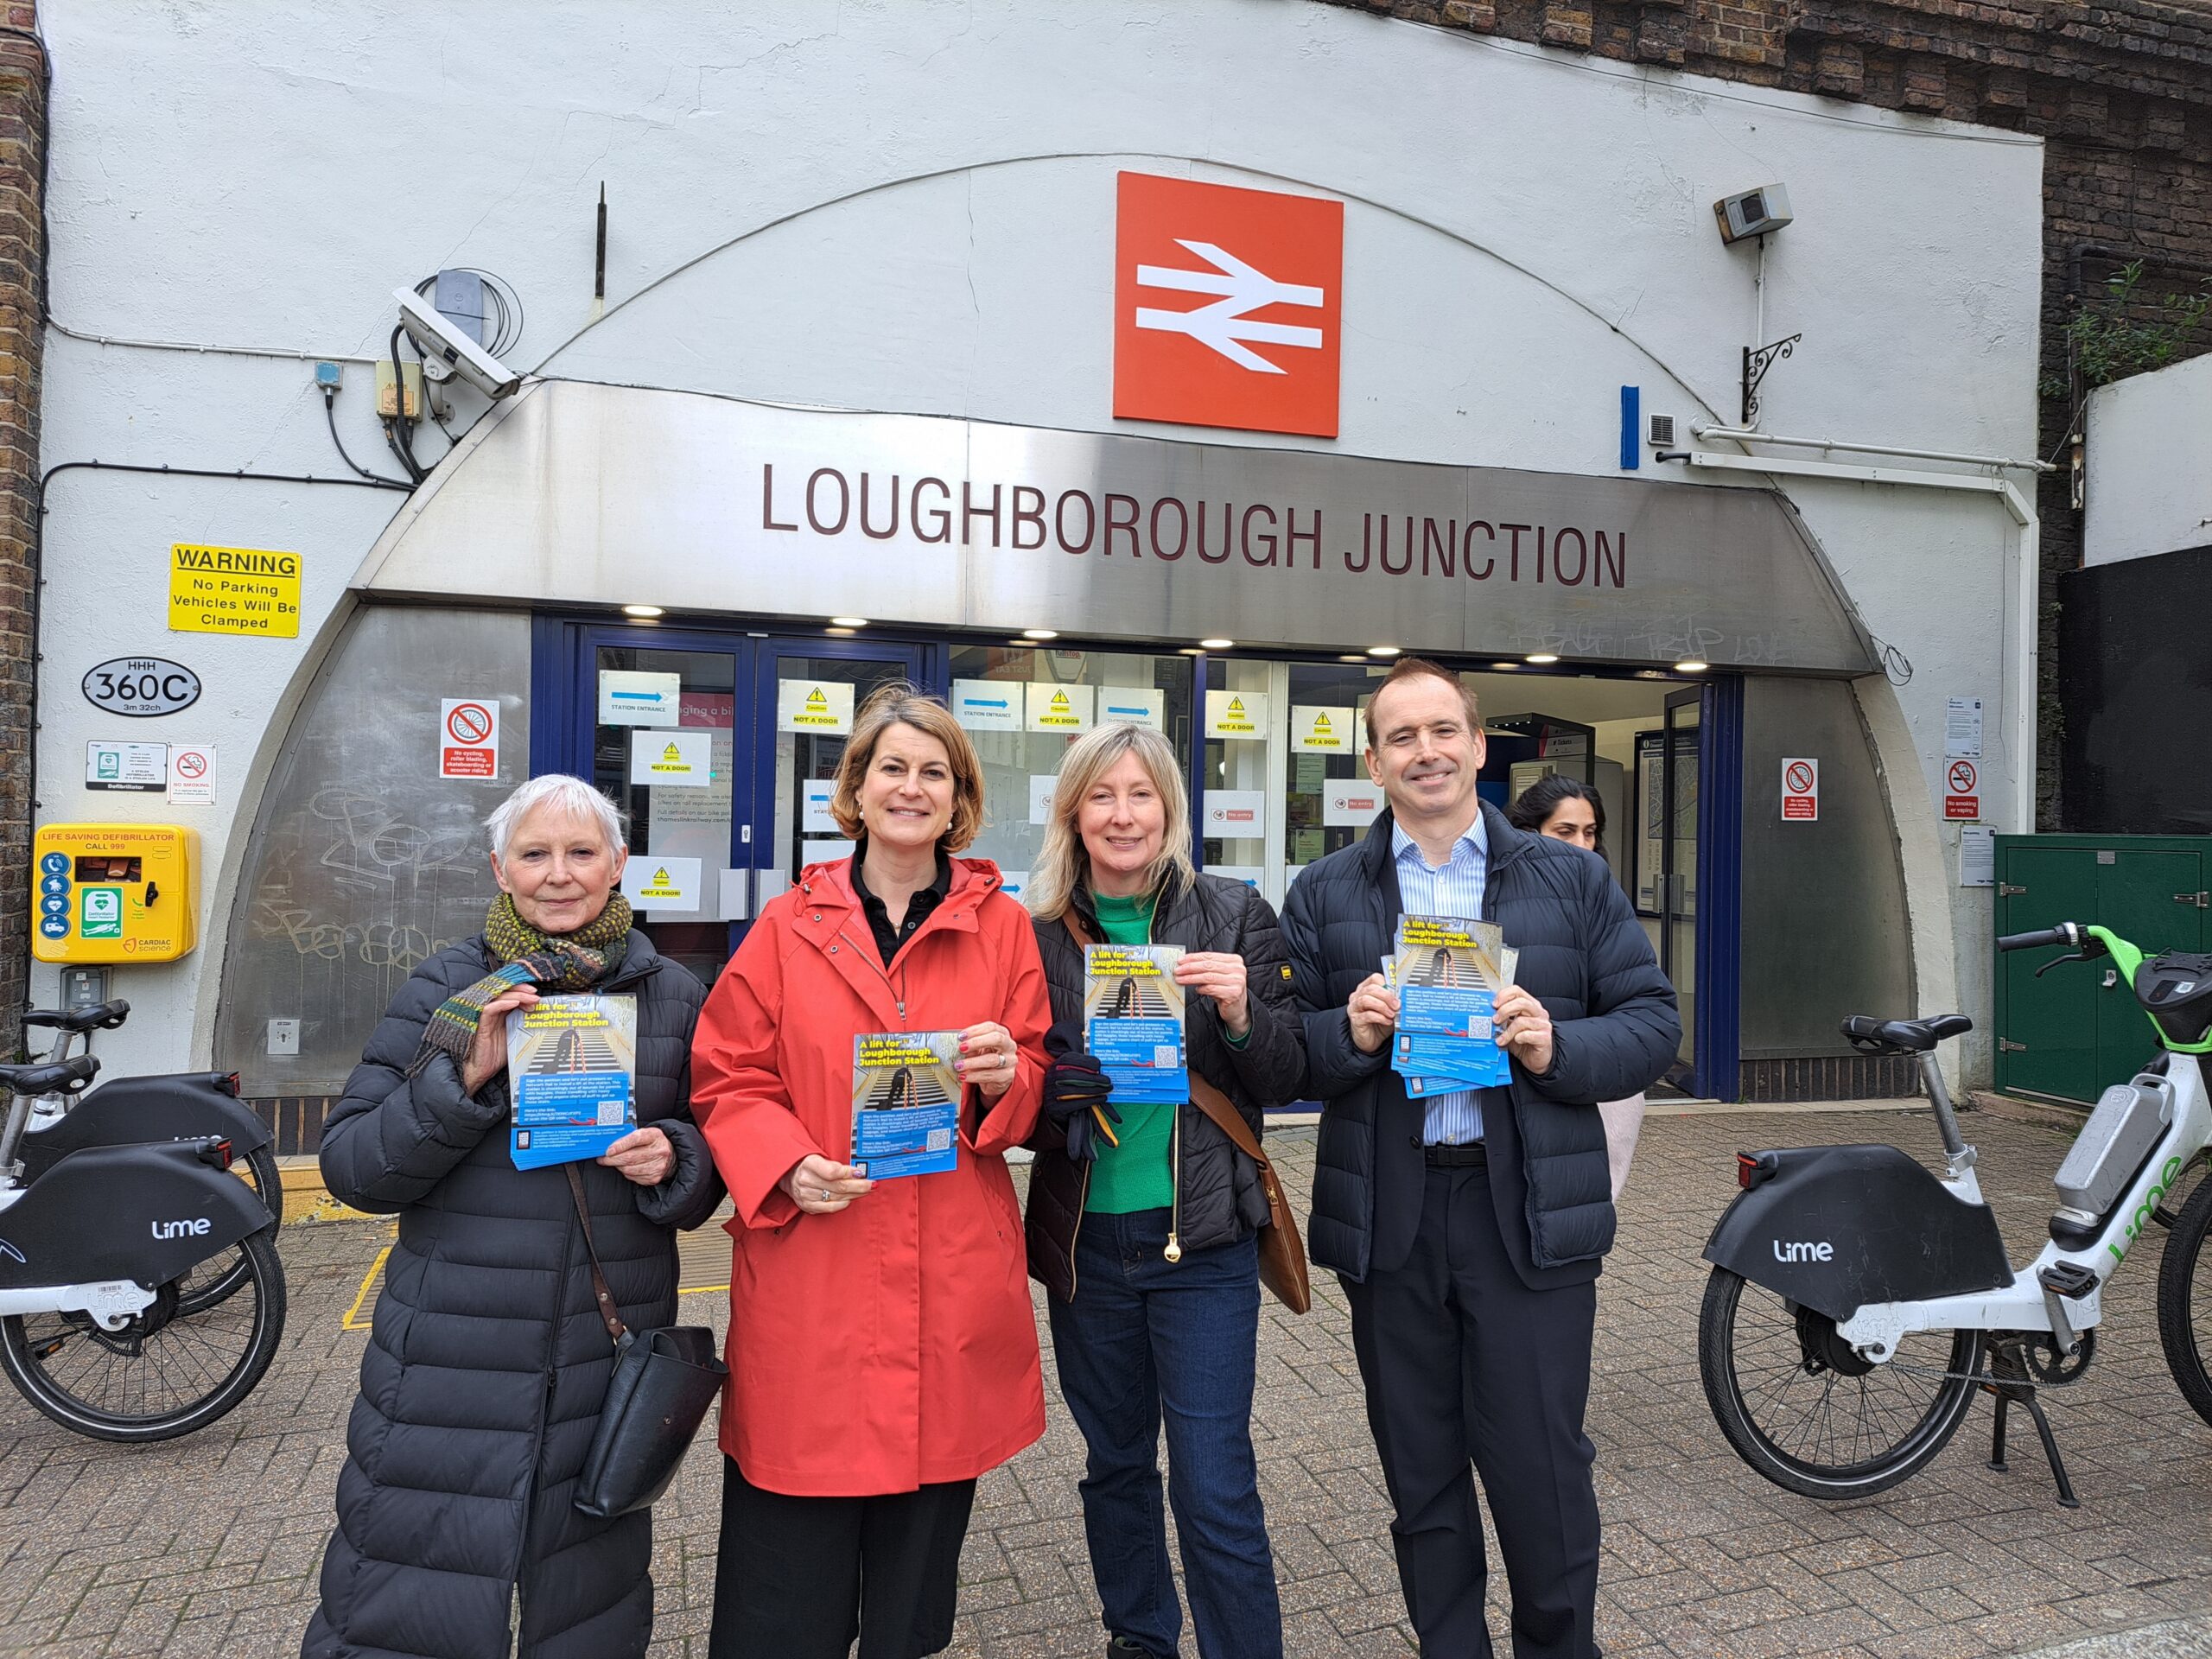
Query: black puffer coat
point(1585, 956)
point(1219, 1199)
point(481, 1383)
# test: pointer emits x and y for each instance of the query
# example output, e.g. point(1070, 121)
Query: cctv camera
point(443, 340)
point(1753, 213)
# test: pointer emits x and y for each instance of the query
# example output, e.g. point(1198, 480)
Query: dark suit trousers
point(1465, 1364)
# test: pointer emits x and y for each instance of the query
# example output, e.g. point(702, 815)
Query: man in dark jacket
point(1468, 1228)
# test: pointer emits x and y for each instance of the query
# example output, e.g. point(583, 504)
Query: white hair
point(572, 796)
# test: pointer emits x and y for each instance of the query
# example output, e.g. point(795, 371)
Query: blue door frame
point(1714, 1072)
point(564, 705)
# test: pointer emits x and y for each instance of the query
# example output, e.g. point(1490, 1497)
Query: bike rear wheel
point(169, 1372)
point(257, 1169)
point(1804, 1411)
point(2185, 1301)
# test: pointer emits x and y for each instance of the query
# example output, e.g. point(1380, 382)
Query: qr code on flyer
point(611, 1113)
point(940, 1140)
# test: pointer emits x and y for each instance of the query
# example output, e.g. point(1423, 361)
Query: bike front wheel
point(1812, 1416)
point(2185, 1301)
point(168, 1372)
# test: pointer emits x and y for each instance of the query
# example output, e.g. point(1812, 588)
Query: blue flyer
point(1133, 1021)
point(1447, 971)
point(906, 1103)
point(571, 1068)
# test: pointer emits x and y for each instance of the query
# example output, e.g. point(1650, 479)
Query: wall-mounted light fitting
point(643, 610)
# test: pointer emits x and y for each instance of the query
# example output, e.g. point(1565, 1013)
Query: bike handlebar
point(2066, 933)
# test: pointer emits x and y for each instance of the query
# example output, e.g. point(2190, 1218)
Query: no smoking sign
point(1962, 796)
point(468, 738)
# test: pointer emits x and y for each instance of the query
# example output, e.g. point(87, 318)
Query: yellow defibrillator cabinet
point(114, 892)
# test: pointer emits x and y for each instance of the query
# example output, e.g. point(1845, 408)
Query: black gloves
point(1076, 1104)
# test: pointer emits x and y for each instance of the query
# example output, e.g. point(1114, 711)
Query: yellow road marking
point(353, 1321)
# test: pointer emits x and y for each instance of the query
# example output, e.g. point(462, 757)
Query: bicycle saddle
point(101, 1016)
point(41, 1078)
point(1872, 1036)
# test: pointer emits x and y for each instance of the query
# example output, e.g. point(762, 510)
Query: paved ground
point(207, 1546)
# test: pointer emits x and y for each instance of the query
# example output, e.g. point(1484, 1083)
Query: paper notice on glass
point(1317, 730)
point(1448, 972)
point(821, 706)
point(572, 1076)
point(988, 705)
point(1130, 705)
point(1053, 708)
point(1041, 785)
point(814, 817)
point(1236, 713)
point(1977, 856)
point(663, 883)
point(683, 758)
point(1350, 803)
point(628, 697)
point(906, 1103)
point(1235, 814)
point(1133, 1020)
point(825, 851)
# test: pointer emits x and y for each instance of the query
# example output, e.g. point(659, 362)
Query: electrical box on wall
point(115, 891)
point(387, 405)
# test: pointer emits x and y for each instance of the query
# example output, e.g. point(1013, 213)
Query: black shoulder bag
point(664, 1379)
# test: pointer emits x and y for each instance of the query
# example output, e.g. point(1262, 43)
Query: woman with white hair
point(1144, 1219)
point(488, 1360)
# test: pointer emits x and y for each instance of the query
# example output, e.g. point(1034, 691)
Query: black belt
point(1472, 1155)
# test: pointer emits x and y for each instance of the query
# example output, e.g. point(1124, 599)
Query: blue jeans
point(1146, 1340)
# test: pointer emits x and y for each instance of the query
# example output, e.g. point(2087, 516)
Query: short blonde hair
point(901, 704)
point(1063, 862)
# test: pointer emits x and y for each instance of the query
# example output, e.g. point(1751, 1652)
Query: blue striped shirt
point(1456, 889)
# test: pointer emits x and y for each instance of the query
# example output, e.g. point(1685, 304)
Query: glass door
point(805, 693)
point(663, 724)
point(1678, 856)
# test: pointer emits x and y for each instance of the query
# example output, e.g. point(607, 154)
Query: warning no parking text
point(234, 590)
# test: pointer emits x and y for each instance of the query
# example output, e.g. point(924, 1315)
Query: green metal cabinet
point(2077, 1030)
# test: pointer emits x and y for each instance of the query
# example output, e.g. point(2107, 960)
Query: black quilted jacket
point(1583, 954)
point(486, 1364)
point(1218, 1198)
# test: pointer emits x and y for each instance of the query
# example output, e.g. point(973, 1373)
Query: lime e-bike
point(1857, 1301)
point(140, 1293)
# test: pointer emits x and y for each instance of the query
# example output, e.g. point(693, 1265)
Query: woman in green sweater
point(1142, 1216)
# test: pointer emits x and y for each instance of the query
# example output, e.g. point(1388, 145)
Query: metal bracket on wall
point(2200, 900)
point(2006, 1045)
point(1757, 361)
point(2006, 890)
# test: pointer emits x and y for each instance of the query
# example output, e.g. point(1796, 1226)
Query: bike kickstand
point(1997, 1434)
point(2066, 1498)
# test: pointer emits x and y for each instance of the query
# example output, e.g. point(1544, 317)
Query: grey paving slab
point(209, 1545)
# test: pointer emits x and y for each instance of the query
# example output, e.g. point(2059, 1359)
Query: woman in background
point(1571, 811)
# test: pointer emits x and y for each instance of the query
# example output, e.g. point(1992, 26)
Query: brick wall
point(2121, 93)
point(22, 137)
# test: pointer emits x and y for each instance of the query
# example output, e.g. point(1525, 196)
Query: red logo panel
point(1226, 306)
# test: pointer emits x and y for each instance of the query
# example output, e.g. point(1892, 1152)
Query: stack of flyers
point(572, 1066)
point(1447, 971)
point(1133, 1020)
point(906, 1103)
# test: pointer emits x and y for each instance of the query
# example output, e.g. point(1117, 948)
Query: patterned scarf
point(558, 962)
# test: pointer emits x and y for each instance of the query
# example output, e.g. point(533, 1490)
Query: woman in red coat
point(882, 1352)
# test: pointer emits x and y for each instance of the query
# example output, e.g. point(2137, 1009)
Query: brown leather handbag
point(1282, 1252)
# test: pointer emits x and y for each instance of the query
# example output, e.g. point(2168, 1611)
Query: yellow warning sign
point(1236, 713)
point(1315, 729)
point(813, 706)
point(1052, 707)
point(233, 590)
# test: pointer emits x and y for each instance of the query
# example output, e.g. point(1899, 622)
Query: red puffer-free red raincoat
point(890, 1345)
